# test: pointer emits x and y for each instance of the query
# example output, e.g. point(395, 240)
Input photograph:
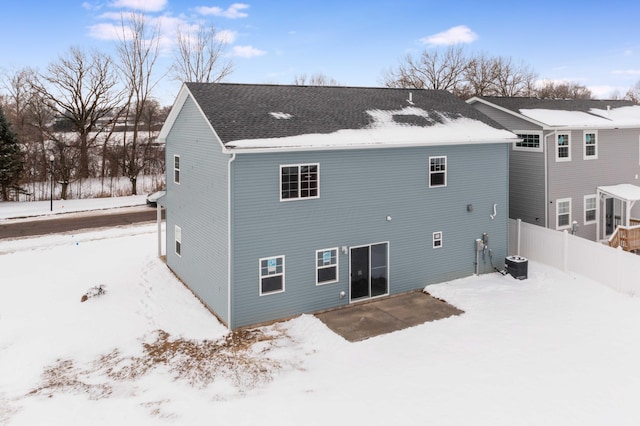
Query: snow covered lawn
point(555, 349)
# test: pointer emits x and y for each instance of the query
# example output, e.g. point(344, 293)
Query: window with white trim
point(563, 213)
point(176, 169)
point(177, 236)
point(590, 145)
point(299, 181)
point(271, 275)
point(590, 209)
point(530, 141)
point(327, 266)
point(563, 147)
point(437, 239)
point(437, 171)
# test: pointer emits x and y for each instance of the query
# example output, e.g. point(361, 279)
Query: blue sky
point(593, 43)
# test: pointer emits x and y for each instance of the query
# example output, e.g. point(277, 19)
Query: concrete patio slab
point(372, 318)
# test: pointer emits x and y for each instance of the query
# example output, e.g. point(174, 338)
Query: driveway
point(368, 319)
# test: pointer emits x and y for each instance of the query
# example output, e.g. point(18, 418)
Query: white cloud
point(626, 72)
point(454, 35)
point(606, 92)
point(144, 5)
point(105, 31)
point(232, 12)
point(246, 51)
point(226, 36)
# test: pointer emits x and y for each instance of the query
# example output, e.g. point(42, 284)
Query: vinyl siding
point(358, 190)
point(617, 162)
point(199, 206)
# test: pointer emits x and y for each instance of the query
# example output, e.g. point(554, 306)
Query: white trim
point(336, 265)
point(299, 197)
point(439, 239)
point(446, 169)
point(558, 202)
point(539, 133)
point(176, 169)
point(568, 146)
point(177, 240)
point(508, 111)
point(229, 245)
point(584, 145)
point(584, 208)
point(275, 274)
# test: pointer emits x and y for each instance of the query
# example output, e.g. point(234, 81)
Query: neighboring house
point(578, 161)
point(283, 200)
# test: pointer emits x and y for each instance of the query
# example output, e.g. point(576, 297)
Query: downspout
point(546, 180)
point(229, 245)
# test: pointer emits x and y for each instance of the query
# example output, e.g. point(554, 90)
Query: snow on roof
point(628, 116)
point(623, 191)
point(386, 131)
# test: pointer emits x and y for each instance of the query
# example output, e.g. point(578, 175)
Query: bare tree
point(138, 50)
point(563, 90)
point(434, 69)
point(512, 79)
point(633, 94)
point(317, 79)
point(81, 88)
point(479, 76)
point(200, 56)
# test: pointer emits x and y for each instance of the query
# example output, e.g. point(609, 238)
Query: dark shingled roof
point(583, 105)
point(246, 111)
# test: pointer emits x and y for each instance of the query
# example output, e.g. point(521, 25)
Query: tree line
point(91, 115)
point(95, 115)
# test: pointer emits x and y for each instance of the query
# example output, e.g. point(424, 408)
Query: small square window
point(437, 239)
point(299, 181)
point(530, 141)
point(271, 275)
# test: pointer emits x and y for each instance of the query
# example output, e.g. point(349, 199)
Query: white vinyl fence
point(614, 268)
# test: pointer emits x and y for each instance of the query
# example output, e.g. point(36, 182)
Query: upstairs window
point(327, 266)
point(271, 275)
point(176, 169)
point(299, 181)
point(563, 147)
point(437, 172)
point(530, 142)
point(590, 145)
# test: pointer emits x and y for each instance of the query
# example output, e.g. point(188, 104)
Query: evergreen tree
point(11, 159)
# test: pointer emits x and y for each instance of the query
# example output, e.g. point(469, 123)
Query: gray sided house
point(284, 200)
point(577, 165)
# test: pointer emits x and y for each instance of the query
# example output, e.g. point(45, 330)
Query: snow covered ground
point(555, 349)
point(10, 209)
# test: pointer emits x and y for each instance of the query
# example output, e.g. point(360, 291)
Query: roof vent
point(410, 100)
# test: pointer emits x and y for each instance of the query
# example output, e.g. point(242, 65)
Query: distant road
point(67, 222)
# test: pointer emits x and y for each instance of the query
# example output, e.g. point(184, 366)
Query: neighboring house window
point(178, 238)
point(437, 171)
point(563, 151)
point(437, 239)
point(299, 181)
point(590, 145)
point(530, 141)
point(176, 169)
point(327, 266)
point(271, 275)
point(563, 213)
point(589, 209)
